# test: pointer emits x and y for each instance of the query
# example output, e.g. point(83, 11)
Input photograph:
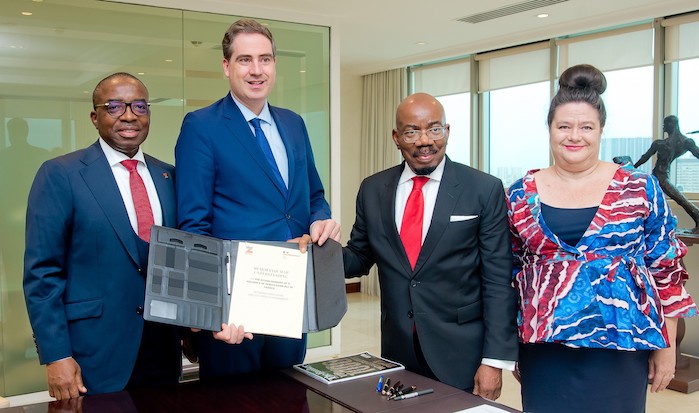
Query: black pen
point(386, 386)
point(402, 391)
point(392, 390)
point(415, 394)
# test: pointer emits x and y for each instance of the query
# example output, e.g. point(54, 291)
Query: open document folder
point(268, 287)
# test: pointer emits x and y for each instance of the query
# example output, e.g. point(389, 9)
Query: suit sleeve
point(357, 255)
point(320, 209)
point(499, 298)
point(48, 235)
point(194, 160)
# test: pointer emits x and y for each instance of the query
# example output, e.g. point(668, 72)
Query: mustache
point(425, 150)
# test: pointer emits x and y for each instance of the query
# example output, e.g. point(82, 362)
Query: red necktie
point(411, 227)
point(144, 213)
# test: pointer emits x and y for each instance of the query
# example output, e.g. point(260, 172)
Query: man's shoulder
point(471, 174)
point(151, 160)
point(284, 113)
point(208, 111)
point(75, 158)
point(381, 177)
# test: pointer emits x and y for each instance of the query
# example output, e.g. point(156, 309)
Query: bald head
point(418, 102)
point(421, 113)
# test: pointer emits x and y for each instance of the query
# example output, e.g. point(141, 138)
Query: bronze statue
point(666, 151)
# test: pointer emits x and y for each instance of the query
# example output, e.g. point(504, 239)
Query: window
point(519, 137)
point(682, 66)
point(515, 95)
point(449, 82)
point(625, 56)
point(629, 104)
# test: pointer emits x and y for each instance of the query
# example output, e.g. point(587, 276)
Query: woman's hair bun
point(583, 77)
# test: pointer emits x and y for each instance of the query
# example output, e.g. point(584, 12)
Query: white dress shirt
point(121, 175)
point(271, 133)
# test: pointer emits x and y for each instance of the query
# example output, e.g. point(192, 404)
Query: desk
point(360, 394)
point(287, 391)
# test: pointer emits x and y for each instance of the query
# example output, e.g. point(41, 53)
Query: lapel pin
point(165, 175)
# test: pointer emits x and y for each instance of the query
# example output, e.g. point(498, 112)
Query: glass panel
point(52, 63)
point(457, 109)
point(686, 168)
point(518, 132)
point(303, 74)
point(60, 53)
point(629, 103)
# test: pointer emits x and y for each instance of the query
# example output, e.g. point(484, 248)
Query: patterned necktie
point(144, 213)
point(411, 227)
point(264, 145)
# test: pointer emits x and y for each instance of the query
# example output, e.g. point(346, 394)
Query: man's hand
point(232, 334)
point(303, 242)
point(323, 229)
point(64, 379)
point(487, 382)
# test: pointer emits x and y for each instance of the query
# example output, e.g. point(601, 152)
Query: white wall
point(350, 129)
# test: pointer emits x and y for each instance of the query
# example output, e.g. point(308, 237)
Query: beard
point(425, 171)
point(425, 150)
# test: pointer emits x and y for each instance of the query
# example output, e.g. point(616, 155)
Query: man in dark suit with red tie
point(88, 226)
point(438, 232)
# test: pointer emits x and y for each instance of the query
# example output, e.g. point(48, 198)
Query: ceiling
point(377, 35)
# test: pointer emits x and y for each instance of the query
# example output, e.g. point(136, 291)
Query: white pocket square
point(458, 218)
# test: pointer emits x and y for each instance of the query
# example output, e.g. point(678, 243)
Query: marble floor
point(360, 330)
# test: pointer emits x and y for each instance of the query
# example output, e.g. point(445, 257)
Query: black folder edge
point(325, 301)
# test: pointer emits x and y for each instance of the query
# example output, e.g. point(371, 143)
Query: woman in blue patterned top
point(597, 268)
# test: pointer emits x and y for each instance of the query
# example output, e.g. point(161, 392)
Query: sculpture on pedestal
point(666, 151)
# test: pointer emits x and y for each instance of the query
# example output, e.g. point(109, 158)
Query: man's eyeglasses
point(116, 108)
point(412, 135)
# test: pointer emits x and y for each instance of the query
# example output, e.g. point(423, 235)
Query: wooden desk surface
point(288, 391)
point(361, 395)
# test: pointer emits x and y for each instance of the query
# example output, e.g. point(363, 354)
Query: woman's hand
point(661, 364)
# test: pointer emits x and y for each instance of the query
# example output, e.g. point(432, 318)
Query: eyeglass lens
point(118, 108)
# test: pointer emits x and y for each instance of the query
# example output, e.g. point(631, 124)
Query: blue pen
point(379, 386)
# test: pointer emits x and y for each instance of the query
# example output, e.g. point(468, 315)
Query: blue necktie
point(264, 145)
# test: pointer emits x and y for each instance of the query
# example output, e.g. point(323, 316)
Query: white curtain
point(382, 94)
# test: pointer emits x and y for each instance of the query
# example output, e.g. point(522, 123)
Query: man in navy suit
point(246, 172)
point(448, 308)
point(84, 276)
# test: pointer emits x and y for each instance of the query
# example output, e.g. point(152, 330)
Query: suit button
point(410, 313)
point(139, 311)
point(413, 283)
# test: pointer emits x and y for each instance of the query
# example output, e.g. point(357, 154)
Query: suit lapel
point(447, 196)
point(165, 187)
point(387, 204)
point(244, 136)
point(99, 178)
point(285, 133)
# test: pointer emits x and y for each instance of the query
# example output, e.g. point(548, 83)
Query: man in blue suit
point(85, 256)
point(246, 172)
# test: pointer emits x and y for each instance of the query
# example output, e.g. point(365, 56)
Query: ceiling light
point(542, 15)
point(302, 71)
point(420, 43)
point(27, 13)
point(141, 73)
point(168, 60)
